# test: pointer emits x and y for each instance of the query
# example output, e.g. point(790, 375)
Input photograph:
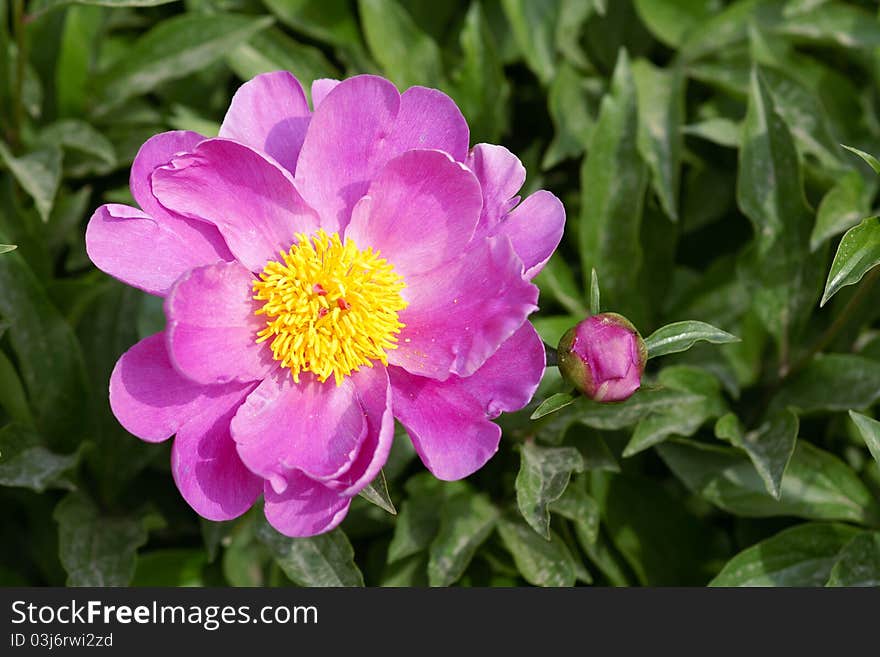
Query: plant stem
point(18, 17)
point(839, 322)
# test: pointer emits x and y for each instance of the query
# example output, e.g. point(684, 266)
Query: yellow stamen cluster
point(330, 307)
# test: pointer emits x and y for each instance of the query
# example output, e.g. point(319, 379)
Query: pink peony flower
point(603, 357)
point(324, 273)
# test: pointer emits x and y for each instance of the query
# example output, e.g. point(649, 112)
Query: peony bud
point(603, 357)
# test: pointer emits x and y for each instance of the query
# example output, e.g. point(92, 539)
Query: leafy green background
point(697, 147)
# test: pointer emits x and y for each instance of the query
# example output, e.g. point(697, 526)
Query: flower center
point(330, 307)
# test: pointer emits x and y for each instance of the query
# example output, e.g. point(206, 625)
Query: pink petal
point(343, 146)
point(461, 312)
point(420, 212)
point(501, 176)
point(157, 151)
point(250, 198)
point(318, 428)
point(212, 326)
point(151, 400)
point(448, 421)
point(207, 469)
point(320, 88)
point(428, 118)
point(305, 508)
point(361, 124)
point(150, 253)
point(535, 229)
point(270, 114)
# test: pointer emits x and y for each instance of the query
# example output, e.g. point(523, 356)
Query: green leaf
point(554, 403)
point(26, 463)
point(871, 161)
point(816, 485)
point(407, 54)
point(543, 475)
point(579, 507)
point(541, 562)
point(628, 413)
point(466, 521)
point(331, 21)
point(80, 136)
point(683, 418)
point(39, 6)
point(170, 567)
point(857, 254)
point(671, 20)
point(173, 49)
point(570, 110)
point(845, 205)
point(557, 280)
point(419, 519)
point(49, 356)
point(613, 180)
point(833, 23)
point(718, 130)
point(272, 50)
point(323, 560)
point(12, 396)
point(870, 431)
point(595, 300)
point(376, 492)
point(800, 556)
point(661, 114)
point(681, 336)
point(6, 248)
point(38, 173)
point(770, 446)
point(480, 85)
point(832, 382)
point(858, 563)
point(660, 539)
point(98, 550)
point(534, 28)
point(770, 193)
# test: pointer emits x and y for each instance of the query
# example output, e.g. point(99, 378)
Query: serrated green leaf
point(681, 336)
point(770, 446)
point(408, 55)
point(38, 173)
point(799, 556)
point(174, 48)
point(869, 159)
point(845, 205)
point(26, 463)
point(660, 95)
point(870, 431)
point(613, 180)
point(858, 563)
point(554, 403)
point(323, 560)
point(816, 485)
point(98, 550)
point(541, 562)
point(857, 254)
point(376, 492)
point(543, 475)
point(466, 521)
